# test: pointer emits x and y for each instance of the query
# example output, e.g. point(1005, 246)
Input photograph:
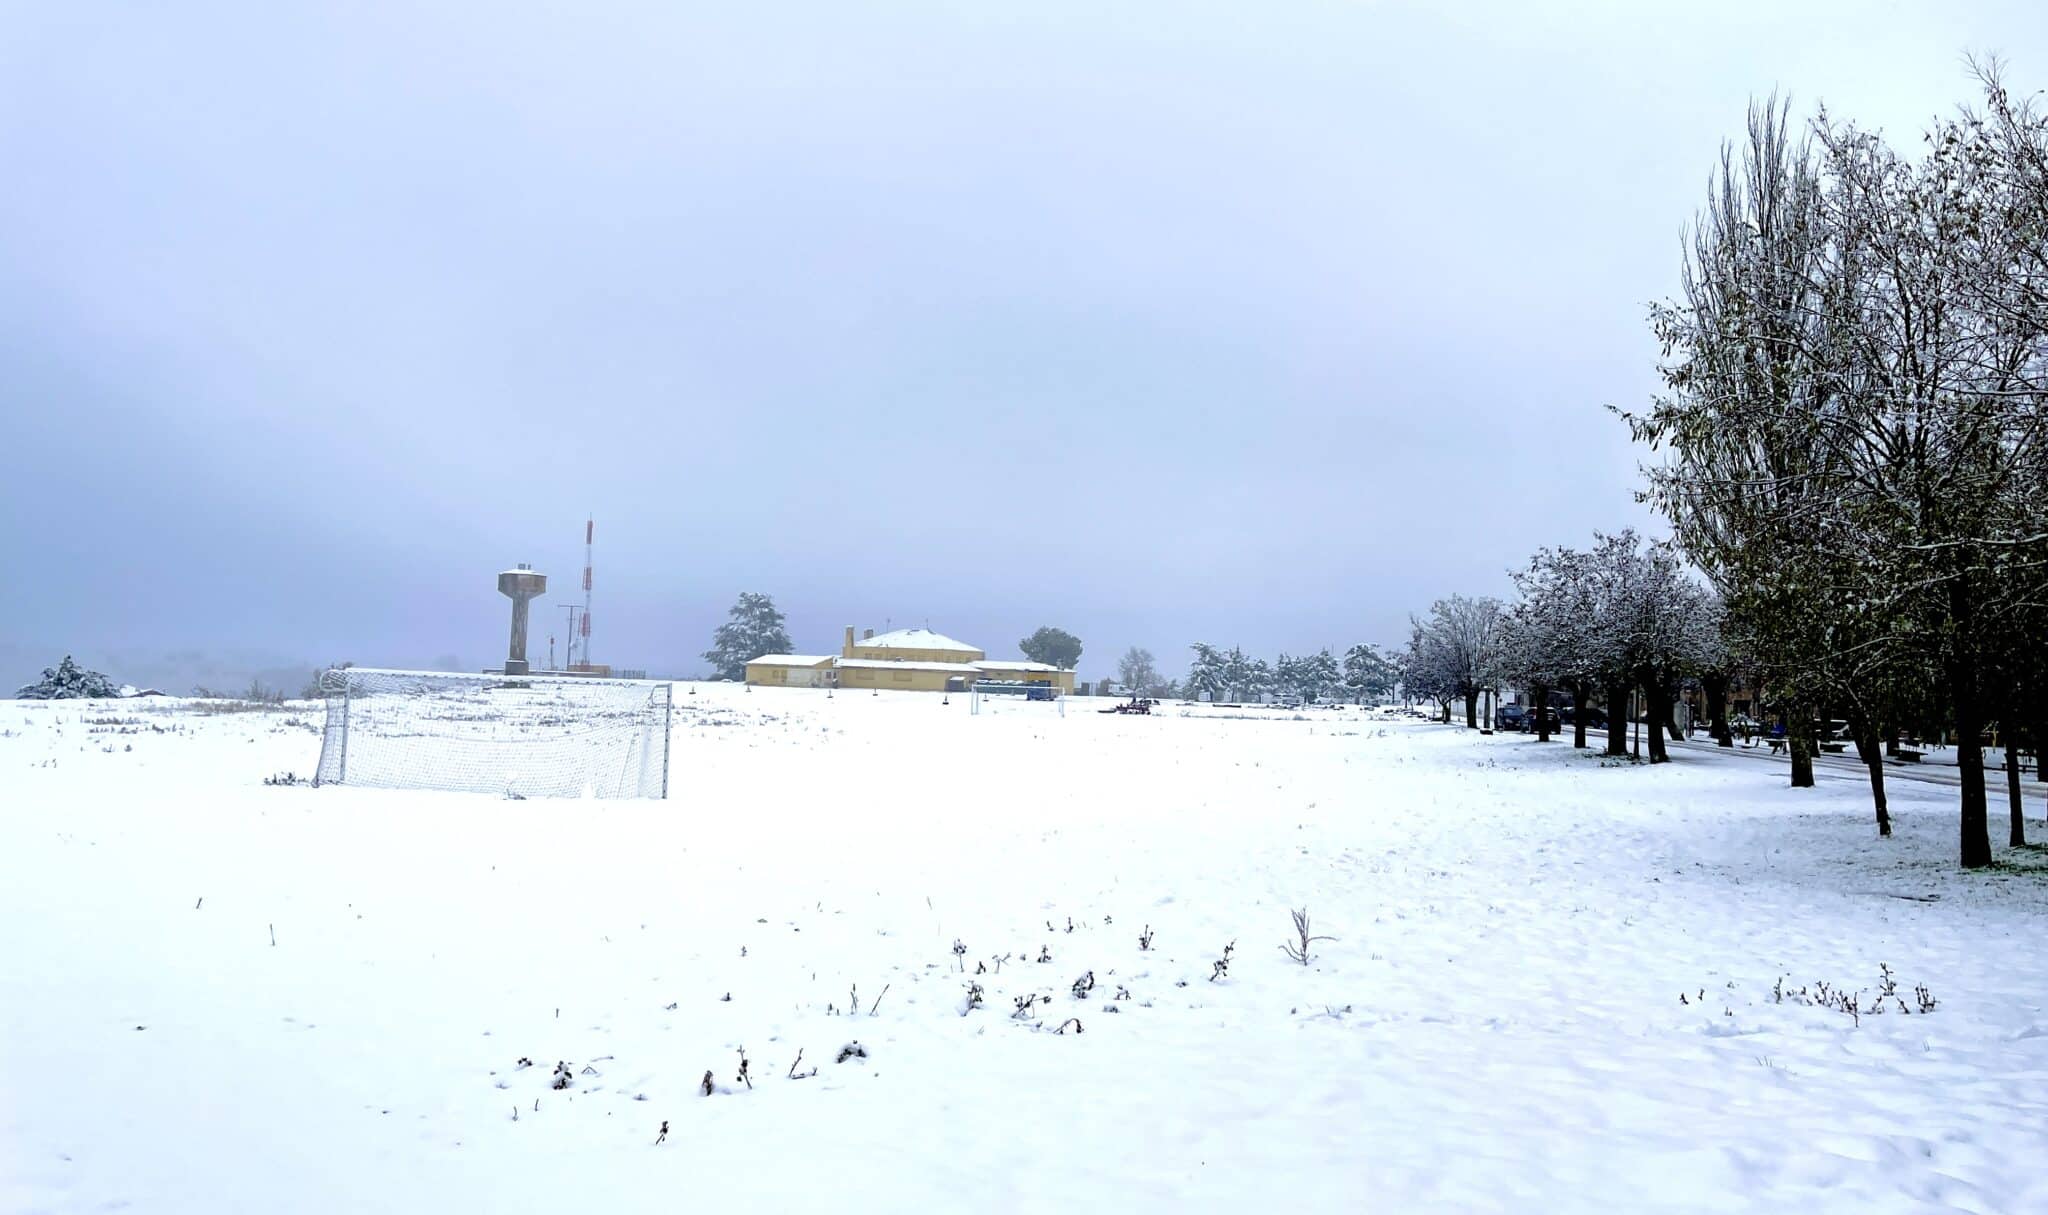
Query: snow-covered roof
point(884, 664)
point(1006, 665)
point(790, 660)
point(915, 639)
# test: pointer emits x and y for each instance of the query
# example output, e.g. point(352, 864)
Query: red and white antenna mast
point(589, 535)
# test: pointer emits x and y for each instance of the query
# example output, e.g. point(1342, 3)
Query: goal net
point(512, 735)
point(986, 695)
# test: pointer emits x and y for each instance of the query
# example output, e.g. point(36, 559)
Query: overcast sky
point(1260, 324)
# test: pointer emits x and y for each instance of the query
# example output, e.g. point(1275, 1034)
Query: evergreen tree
point(1368, 674)
point(1056, 647)
point(754, 628)
point(69, 681)
point(1206, 676)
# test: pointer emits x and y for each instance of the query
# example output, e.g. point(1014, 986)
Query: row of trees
point(1621, 616)
point(1853, 444)
point(1853, 449)
point(1232, 675)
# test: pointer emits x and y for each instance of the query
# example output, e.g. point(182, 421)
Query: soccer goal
point(996, 691)
point(512, 735)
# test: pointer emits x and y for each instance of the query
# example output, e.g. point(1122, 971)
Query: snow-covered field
point(1497, 1027)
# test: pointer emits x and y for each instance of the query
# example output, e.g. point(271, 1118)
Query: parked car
point(1596, 719)
point(1511, 717)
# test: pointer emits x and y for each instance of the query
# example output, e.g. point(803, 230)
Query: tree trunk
point(1891, 740)
point(2039, 737)
point(1579, 699)
point(1657, 709)
point(1472, 710)
point(1540, 694)
point(1974, 821)
point(1872, 751)
point(1799, 743)
point(1617, 719)
point(2012, 794)
point(1715, 688)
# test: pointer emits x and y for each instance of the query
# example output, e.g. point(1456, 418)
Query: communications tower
point(589, 535)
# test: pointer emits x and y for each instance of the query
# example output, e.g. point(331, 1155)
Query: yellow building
point(792, 670)
point(906, 660)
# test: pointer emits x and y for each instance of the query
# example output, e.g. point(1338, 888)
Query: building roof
point(1000, 664)
point(884, 664)
point(915, 639)
point(790, 660)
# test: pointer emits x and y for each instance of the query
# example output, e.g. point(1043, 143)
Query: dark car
point(1595, 718)
point(1511, 717)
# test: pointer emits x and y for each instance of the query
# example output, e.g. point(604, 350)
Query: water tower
point(521, 586)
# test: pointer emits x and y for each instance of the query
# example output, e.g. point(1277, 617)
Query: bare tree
point(1136, 672)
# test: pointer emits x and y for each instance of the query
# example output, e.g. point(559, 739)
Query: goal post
point(998, 691)
point(512, 735)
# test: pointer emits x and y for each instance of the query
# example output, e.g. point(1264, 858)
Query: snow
point(1016, 666)
point(1497, 1026)
point(791, 660)
point(915, 639)
point(894, 664)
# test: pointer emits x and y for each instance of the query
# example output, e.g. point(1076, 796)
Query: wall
point(891, 654)
point(910, 680)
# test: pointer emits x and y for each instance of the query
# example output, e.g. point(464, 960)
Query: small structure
point(791, 670)
point(521, 585)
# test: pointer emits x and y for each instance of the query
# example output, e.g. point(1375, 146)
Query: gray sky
point(1257, 324)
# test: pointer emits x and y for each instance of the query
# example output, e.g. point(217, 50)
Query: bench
point(1909, 757)
point(1833, 748)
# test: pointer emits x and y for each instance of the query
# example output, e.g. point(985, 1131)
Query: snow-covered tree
point(1246, 678)
point(1855, 426)
point(1555, 634)
point(1207, 676)
point(1368, 674)
point(1310, 677)
point(753, 628)
point(1456, 650)
point(69, 681)
point(1669, 626)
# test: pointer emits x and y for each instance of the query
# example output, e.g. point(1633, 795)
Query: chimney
point(846, 650)
point(868, 636)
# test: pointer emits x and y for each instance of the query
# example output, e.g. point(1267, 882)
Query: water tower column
point(521, 586)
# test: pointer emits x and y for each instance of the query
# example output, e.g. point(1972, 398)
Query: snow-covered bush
point(69, 681)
